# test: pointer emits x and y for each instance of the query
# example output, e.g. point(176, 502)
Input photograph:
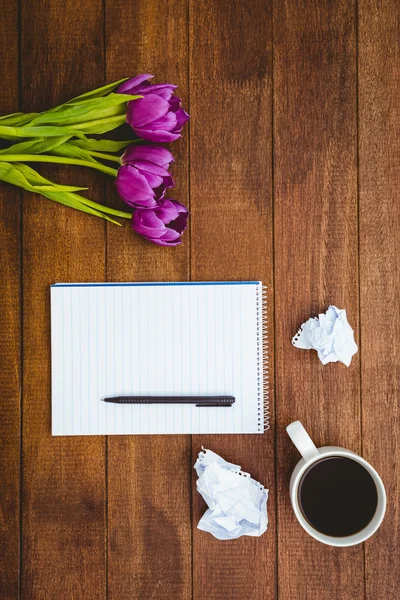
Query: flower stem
point(105, 209)
point(58, 160)
point(105, 156)
point(115, 121)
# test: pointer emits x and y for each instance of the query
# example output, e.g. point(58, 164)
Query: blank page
point(150, 339)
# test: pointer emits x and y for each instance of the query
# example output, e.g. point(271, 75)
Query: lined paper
point(154, 339)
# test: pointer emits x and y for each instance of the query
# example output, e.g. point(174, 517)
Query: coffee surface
point(337, 496)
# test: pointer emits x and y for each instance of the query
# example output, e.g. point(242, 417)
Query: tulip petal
point(156, 224)
point(146, 110)
point(173, 214)
point(164, 241)
point(154, 181)
point(166, 122)
point(161, 242)
point(175, 103)
point(134, 188)
point(149, 167)
point(164, 90)
point(179, 224)
point(170, 235)
point(170, 203)
point(127, 86)
point(181, 208)
point(166, 214)
point(157, 135)
point(168, 182)
point(161, 86)
point(146, 223)
point(181, 117)
point(148, 152)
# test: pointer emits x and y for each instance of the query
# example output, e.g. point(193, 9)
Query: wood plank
point(63, 478)
point(379, 152)
point(10, 340)
point(315, 180)
point(149, 549)
point(231, 203)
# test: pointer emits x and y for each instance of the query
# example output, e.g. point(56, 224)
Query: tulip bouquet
point(63, 135)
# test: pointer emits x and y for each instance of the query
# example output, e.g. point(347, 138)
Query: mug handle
point(302, 440)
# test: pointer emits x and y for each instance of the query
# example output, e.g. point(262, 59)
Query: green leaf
point(10, 174)
point(88, 96)
point(94, 121)
point(11, 116)
point(86, 103)
point(72, 151)
point(74, 201)
point(105, 209)
point(17, 118)
point(88, 110)
point(99, 92)
point(33, 177)
point(15, 174)
point(100, 126)
point(91, 127)
point(79, 114)
point(36, 146)
point(100, 145)
point(15, 133)
point(110, 100)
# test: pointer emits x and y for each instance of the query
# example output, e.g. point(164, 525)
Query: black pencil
point(200, 401)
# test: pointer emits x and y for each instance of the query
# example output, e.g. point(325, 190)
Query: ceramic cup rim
point(356, 538)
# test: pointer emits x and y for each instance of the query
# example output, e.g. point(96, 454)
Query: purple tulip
point(158, 116)
point(143, 177)
point(162, 225)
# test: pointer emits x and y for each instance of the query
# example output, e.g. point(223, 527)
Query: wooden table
point(291, 170)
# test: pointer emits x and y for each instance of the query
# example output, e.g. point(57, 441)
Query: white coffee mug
point(311, 454)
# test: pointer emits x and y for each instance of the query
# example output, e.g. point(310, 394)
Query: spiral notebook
point(158, 339)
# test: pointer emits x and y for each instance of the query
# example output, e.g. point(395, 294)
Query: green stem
point(117, 120)
point(105, 156)
point(59, 160)
point(105, 209)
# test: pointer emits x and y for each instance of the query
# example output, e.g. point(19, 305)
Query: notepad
point(158, 339)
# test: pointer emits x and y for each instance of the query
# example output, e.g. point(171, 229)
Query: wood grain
point(231, 203)
point(149, 541)
point(273, 191)
point(63, 478)
point(10, 339)
point(379, 160)
point(316, 248)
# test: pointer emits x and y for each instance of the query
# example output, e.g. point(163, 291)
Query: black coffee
point(337, 496)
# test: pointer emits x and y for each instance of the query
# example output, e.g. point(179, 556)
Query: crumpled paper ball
point(330, 335)
point(237, 503)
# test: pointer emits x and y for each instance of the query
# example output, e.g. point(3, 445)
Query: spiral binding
point(262, 359)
